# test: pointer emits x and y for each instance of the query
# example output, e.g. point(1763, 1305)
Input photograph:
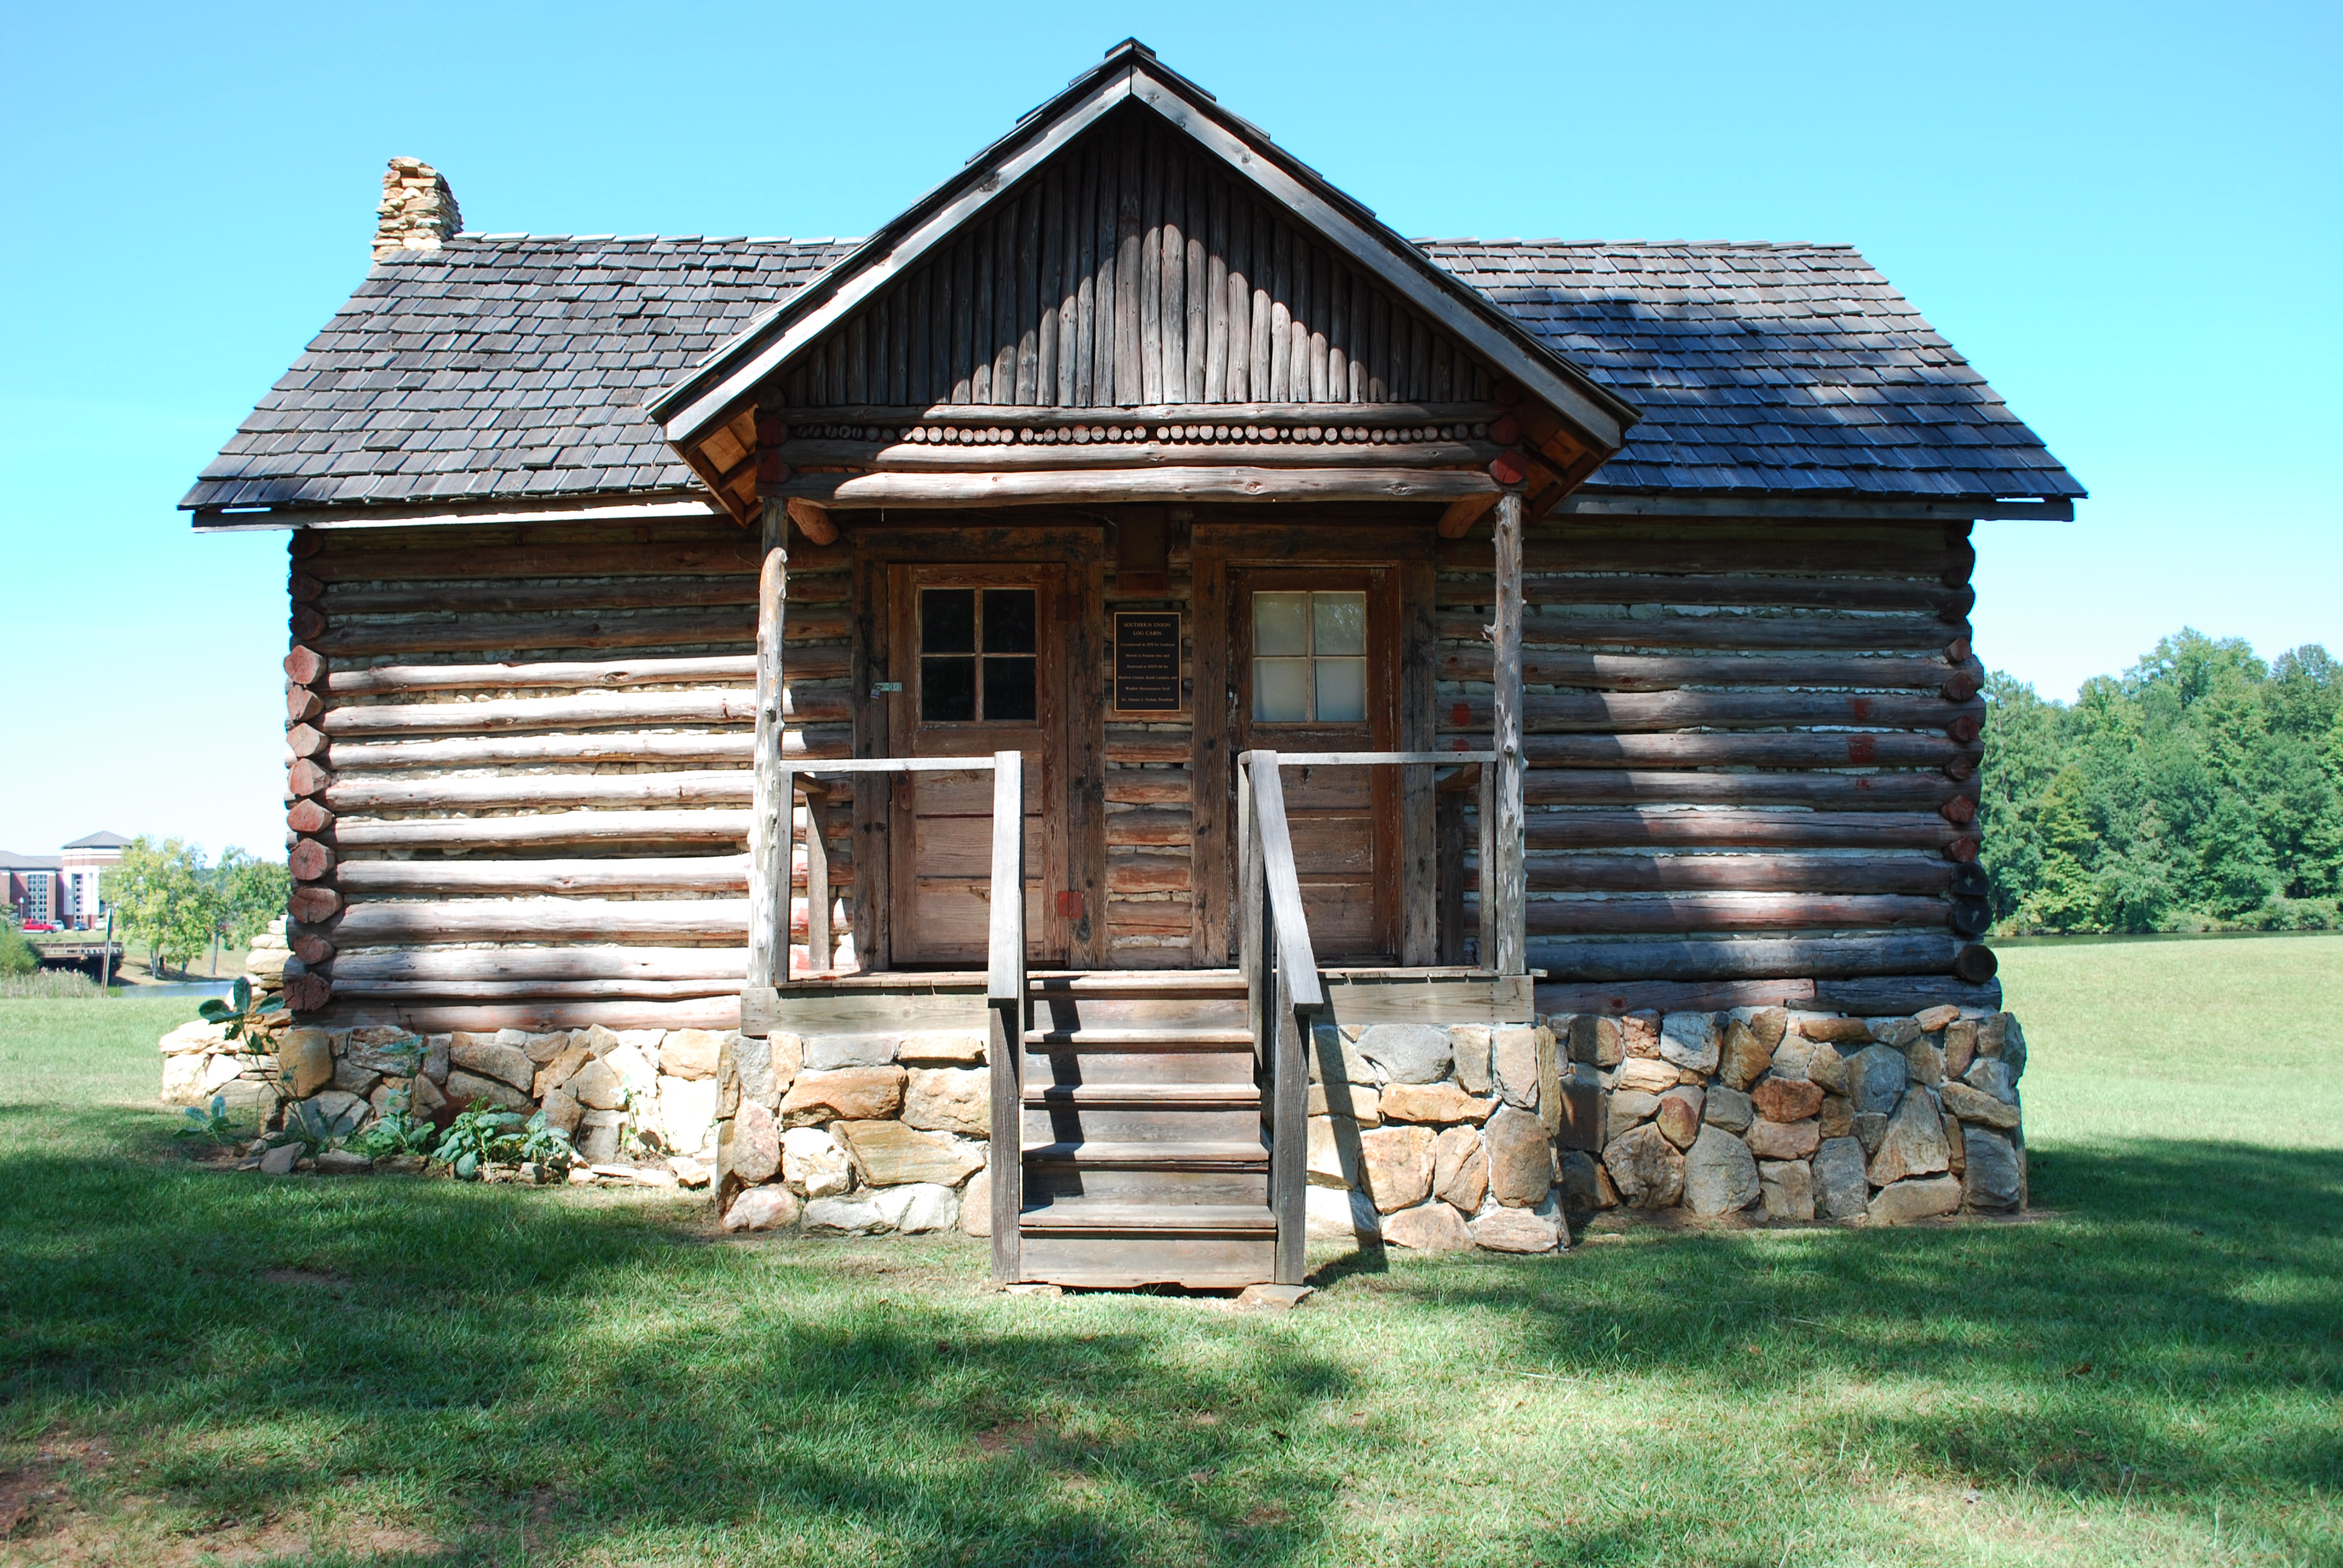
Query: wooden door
point(981, 672)
point(1314, 656)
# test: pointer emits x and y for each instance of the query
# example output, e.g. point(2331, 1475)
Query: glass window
point(978, 656)
point(1310, 662)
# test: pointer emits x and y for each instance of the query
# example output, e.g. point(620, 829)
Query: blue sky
point(2126, 216)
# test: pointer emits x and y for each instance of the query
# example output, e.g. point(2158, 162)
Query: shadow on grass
point(517, 1372)
point(2169, 1322)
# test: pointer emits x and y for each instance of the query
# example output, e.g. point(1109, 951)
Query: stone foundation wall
point(856, 1133)
point(1428, 1137)
point(1469, 1136)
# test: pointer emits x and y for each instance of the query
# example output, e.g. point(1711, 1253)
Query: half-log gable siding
point(1131, 270)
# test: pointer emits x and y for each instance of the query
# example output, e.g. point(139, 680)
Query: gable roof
point(1782, 369)
point(510, 367)
point(504, 367)
point(1130, 75)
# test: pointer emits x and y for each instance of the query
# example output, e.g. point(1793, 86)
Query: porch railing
point(1282, 989)
point(1004, 982)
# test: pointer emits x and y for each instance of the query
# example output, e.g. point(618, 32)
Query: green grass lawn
point(2147, 1370)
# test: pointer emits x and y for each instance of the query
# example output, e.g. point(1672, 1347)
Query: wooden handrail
point(1005, 1004)
point(1273, 850)
point(1282, 989)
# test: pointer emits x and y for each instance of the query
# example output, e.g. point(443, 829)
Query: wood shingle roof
point(510, 367)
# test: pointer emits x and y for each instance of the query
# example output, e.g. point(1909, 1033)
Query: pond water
point(174, 987)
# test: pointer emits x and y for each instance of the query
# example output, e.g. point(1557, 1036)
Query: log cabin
point(1139, 609)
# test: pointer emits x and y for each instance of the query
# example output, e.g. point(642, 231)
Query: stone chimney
point(418, 211)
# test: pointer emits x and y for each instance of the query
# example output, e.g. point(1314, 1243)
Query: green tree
point(247, 893)
point(161, 896)
point(17, 956)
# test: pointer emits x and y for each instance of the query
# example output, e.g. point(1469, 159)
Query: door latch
point(881, 688)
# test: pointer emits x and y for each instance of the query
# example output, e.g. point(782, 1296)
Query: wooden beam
point(1462, 513)
point(1507, 841)
point(770, 815)
point(1200, 482)
point(813, 520)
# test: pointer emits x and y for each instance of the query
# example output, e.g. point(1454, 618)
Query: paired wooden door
point(982, 672)
point(1314, 658)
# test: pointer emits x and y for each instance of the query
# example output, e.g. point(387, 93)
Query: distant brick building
point(60, 888)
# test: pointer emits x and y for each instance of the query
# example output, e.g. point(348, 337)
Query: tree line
point(163, 894)
point(2200, 790)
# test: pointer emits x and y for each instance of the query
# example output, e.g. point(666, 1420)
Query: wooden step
point(1163, 1095)
point(1205, 1039)
point(1218, 1155)
point(1221, 1218)
point(1138, 983)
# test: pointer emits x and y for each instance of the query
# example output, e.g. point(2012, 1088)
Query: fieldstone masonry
point(1431, 1138)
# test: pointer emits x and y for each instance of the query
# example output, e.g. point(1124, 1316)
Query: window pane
point(1341, 690)
point(1338, 622)
point(946, 688)
point(1009, 620)
point(1281, 689)
point(1281, 623)
point(1008, 684)
point(948, 620)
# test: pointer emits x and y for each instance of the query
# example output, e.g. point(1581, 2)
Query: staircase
point(1143, 1149)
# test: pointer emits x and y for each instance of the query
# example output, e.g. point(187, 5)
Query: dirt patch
point(1015, 1437)
point(304, 1277)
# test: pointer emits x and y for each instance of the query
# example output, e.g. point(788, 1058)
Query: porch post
point(1508, 882)
point(773, 788)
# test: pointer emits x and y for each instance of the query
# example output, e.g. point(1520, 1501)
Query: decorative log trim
point(304, 777)
point(500, 990)
point(1314, 446)
point(311, 949)
point(1975, 964)
point(301, 703)
point(303, 666)
point(1197, 483)
point(1867, 997)
point(308, 817)
point(310, 860)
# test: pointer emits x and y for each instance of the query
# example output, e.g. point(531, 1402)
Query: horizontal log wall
point(1130, 270)
point(1753, 753)
point(519, 786)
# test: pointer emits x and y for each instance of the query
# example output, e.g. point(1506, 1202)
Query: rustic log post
point(1508, 887)
point(770, 816)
